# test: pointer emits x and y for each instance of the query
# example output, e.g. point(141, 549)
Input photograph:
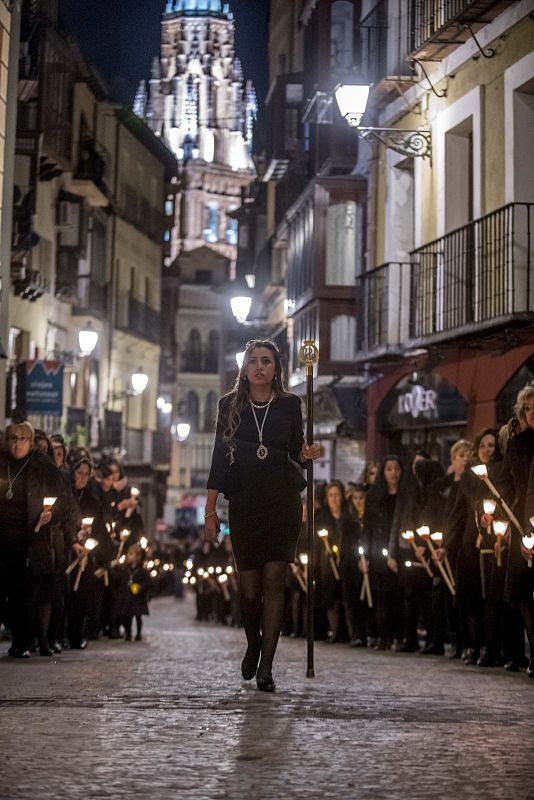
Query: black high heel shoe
point(265, 683)
point(249, 664)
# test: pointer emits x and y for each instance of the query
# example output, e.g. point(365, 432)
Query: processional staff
point(309, 356)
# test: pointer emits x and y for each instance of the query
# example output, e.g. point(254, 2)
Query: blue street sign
point(44, 387)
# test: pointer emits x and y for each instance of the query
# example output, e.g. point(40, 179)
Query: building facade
point(91, 182)
point(446, 306)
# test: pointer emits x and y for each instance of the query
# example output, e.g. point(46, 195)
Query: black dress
point(265, 508)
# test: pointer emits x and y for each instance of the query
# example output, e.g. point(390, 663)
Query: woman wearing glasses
point(26, 478)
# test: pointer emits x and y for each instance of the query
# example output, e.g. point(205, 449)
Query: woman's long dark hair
point(380, 485)
point(240, 394)
point(497, 455)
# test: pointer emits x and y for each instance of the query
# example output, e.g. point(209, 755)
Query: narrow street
point(170, 718)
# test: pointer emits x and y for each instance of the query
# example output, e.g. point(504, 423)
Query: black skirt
point(264, 527)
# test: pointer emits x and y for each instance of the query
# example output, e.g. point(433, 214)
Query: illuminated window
point(211, 225)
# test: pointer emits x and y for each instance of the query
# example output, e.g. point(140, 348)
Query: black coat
point(130, 604)
point(377, 523)
point(516, 483)
point(43, 479)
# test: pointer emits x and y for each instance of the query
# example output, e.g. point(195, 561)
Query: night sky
point(121, 37)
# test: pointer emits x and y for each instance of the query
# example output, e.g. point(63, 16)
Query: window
point(193, 352)
point(459, 175)
point(210, 412)
point(211, 363)
point(343, 338)
point(343, 225)
point(231, 228)
point(192, 410)
point(341, 35)
point(211, 225)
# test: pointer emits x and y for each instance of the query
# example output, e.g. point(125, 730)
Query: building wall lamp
point(352, 103)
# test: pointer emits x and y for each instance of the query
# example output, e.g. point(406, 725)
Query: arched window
point(342, 35)
point(192, 410)
point(211, 223)
point(210, 412)
point(193, 352)
point(343, 338)
point(211, 362)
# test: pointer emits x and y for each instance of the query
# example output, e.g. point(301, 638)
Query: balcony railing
point(384, 292)
point(142, 215)
point(138, 318)
point(441, 25)
point(385, 42)
point(473, 278)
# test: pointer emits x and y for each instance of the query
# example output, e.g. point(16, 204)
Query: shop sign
point(419, 400)
point(41, 387)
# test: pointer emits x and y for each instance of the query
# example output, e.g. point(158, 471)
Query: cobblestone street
point(170, 717)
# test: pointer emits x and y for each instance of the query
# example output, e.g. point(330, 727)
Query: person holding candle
point(134, 587)
point(356, 611)
point(516, 484)
point(26, 557)
point(259, 440)
point(380, 507)
point(442, 496)
point(415, 579)
point(331, 525)
point(464, 538)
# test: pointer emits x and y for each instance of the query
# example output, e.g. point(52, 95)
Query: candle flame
point(154, 574)
point(90, 544)
point(218, 570)
point(532, 521)
point(200, 571)
point(408, 563)
point(424, 530)
point(229, 570)
point(184, 580)
point(408, 535)
point(48, 502)
point(124, 534)
point(165, 567)
point(528, 542)
point(303, 558)
point(481, 471)
point(143, 542)
point(322, 533)
point(122, 559)
point(489, 506)
point(87, 522)
point(193, 580)
point(499, 527)
point(384, 552)
point(134, 492)
point(361, 551)
point(223, 578)
point(437, 536)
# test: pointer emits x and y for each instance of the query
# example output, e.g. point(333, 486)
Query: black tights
point(262, 600)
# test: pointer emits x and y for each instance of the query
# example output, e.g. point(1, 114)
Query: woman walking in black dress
point(258, 441)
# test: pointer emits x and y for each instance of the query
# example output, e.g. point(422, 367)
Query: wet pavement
point(170, 717)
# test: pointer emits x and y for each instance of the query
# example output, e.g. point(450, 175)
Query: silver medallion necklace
point(10, 483)
point(262, 452)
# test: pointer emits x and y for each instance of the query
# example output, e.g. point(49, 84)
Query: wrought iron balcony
point(138, 445)
point(385, 41)
point(473, 279)
point(88, 178)
point(138, 318)
point(439, 26)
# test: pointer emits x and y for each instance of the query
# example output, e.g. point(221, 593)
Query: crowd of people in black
point(73, 551)
point(416, 557)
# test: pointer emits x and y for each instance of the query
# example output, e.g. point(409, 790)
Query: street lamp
point(87, 339)
point(139, 381)
point(352, 103)
point(241, 306)
point(181, 430)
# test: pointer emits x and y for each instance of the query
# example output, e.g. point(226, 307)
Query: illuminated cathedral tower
point(198, 103)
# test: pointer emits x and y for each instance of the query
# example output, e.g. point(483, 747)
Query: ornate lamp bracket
point(409, 143)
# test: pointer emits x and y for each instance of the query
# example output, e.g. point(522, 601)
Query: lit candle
point(481, 471)
point(409, 536)
point(489, 507)
point(134, 493)
point(424, 533)
point(48, 502)
point(143, 542)
point(366, 586)
point(499, 529)
point(323, 534)
point(528, 543)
